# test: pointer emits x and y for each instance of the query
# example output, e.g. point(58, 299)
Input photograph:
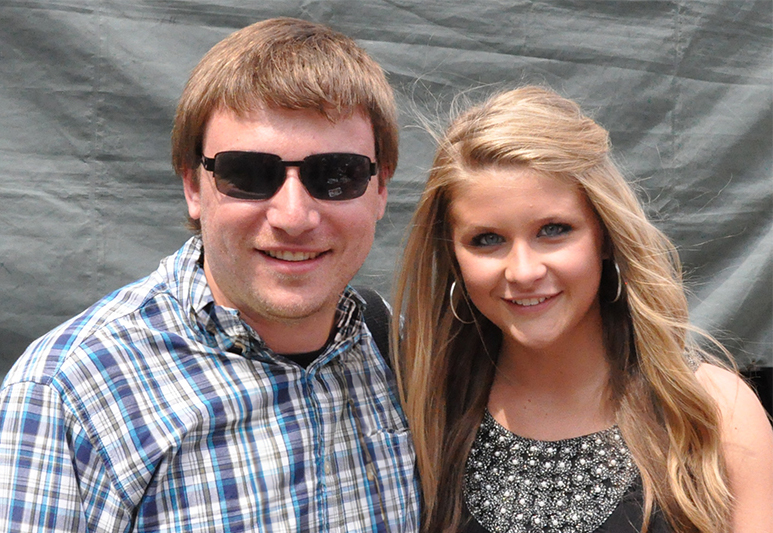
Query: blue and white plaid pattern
point(155, 410)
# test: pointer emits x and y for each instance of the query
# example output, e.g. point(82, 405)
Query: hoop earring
point(619, 282)
point(451, 303)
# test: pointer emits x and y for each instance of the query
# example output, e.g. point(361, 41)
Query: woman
point(546, 361)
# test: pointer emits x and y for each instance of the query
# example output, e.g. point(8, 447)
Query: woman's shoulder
point(741, 412)
point(747, 441)
point(733, 396)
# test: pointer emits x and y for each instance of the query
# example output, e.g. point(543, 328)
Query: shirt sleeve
point(38, 482)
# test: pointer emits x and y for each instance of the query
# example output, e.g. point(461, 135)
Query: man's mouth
point(292, 256)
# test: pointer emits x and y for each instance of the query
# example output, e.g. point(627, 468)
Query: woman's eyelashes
point(487, 239)
point(554, 229)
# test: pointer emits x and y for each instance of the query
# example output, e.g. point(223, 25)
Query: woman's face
point(530, 249)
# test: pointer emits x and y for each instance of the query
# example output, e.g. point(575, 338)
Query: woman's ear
point(608, 249)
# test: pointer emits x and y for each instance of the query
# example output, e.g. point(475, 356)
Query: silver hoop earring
point(451, 303)
point(619, 282)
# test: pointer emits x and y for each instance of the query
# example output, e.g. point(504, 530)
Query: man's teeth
point(530, 301)
point(291, 256)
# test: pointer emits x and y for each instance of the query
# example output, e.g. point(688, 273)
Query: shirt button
point(328, 468)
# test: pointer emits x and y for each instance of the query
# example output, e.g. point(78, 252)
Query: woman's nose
point(525, 266)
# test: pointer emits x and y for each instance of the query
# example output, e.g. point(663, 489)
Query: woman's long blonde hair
point(445, 367)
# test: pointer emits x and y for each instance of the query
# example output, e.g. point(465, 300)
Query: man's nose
point(292, 208)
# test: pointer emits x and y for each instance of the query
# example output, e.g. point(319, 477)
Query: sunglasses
point(258, 176)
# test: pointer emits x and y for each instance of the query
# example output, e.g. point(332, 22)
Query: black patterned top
point(586, 484)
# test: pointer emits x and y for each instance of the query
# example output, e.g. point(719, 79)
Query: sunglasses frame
point(308, 182)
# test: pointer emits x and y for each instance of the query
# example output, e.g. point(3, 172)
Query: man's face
point(283, 262)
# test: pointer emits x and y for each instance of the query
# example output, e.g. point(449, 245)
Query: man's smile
point(286, 255)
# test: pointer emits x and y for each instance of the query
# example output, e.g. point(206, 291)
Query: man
point(235, 388)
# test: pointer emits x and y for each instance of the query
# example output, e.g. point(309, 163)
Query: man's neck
point(295, 336)
point(305, 359)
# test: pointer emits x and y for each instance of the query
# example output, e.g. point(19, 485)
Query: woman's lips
point(529, 302)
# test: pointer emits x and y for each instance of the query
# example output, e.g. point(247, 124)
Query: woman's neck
point(553, 393)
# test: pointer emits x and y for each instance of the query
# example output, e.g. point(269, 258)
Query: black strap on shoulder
point(377, 317)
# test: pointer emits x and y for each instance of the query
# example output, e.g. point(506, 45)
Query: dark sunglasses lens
point(336, 176)
point(248, 175)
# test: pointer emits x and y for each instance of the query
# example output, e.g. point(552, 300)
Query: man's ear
point(382, 195)
point(192, 188)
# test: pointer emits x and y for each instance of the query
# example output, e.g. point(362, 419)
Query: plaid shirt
point(156, 410)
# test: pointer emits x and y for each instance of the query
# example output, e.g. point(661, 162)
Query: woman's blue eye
point(487, 239)
point(554, 230)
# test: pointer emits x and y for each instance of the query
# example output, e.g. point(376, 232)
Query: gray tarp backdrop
point(88, 88)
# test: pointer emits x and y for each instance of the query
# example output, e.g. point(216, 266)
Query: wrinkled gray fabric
point(88, 200)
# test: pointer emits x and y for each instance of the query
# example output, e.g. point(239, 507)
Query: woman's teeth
point(528, 302)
